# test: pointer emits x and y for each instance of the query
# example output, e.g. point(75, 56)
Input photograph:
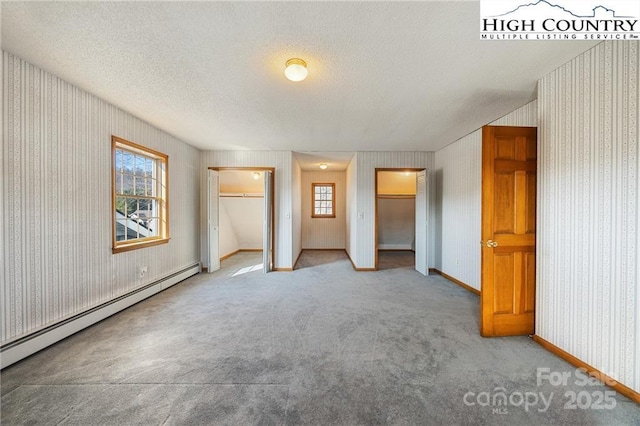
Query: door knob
point(492, 243)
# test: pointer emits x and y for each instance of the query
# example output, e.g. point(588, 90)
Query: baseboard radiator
point(14, 351)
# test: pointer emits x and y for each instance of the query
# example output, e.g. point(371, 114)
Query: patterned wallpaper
point(458, 176)
point(56, 258)
point(588, 302)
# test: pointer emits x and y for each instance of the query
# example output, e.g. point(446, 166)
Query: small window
point(323, 199)
point(139, 196)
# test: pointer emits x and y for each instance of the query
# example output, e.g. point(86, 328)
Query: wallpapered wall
point(56, 201)
point(588, 302)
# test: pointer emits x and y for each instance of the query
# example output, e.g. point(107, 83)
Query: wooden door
point(508, 230)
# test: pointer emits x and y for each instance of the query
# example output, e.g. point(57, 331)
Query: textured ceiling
point(335, 161)
point(382, 75)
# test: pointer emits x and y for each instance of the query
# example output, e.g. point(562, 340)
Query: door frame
point(273, 199)
point(375, 198)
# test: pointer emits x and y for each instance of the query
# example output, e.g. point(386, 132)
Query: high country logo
point(559, 20)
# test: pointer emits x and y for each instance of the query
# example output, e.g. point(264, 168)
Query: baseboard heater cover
point(17, 350)
point(395, 247)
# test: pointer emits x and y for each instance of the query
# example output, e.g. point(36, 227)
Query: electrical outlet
point(142, 271)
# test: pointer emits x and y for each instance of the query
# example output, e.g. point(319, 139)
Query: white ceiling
point(335, 161)
point(382, 75)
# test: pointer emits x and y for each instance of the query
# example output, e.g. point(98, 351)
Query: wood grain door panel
point(508, 230)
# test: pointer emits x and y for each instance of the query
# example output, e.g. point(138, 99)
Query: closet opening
point(240, 219)
point(401, 219)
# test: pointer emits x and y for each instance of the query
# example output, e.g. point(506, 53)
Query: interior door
point(508, 230)
point(422, 254)
point(213, 215)
point(267, 229)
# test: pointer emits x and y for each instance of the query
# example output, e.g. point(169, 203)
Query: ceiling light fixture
point(296, 69)
point(323, 166)
point(256, 175)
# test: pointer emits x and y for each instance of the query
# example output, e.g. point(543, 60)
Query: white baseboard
point(28, 345)
point(395, 247)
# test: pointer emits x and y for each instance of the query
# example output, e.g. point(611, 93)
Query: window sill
point(142, 244)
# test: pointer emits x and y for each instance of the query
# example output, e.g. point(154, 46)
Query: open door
point(213, 217)
point(508, 230)
point(421, 223)
point(267, 230)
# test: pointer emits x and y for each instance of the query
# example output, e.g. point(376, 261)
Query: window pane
point(140, 164)
point(127, 184)
point(148, 167)
point(127, 164)
point(134, 228)
point(143, 207)
point(132, 206)
point(118, 164)
point(118, 187)
point(153, 227)
point(329, 196)
point(139, 185)
point(317, 189)
point(121, 205)
point(121, 226)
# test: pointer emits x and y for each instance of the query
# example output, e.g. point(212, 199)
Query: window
point(139, 196)
point(324, 200)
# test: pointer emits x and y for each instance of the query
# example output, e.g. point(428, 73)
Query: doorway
point(240, 214)
point(401, 216)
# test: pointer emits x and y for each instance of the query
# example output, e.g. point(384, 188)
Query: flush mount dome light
point(296, 69)
point(256, 175)
point(323, 166)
